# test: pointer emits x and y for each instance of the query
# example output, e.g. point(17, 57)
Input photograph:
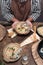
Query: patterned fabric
point(35, 9)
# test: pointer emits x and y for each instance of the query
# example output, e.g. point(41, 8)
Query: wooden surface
point(35, 54)
point(26, 49)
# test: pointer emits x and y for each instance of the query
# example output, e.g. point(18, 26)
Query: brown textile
point(21, 10)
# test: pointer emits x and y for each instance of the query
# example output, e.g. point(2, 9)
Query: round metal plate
point(16, 52)
point(18, 26)
point(39, 48)
point(40, 30)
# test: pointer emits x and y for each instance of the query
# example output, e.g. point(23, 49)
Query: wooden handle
point(34, 28)
point(34, 37)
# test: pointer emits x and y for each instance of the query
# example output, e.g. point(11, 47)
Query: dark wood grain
point(26, 49)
